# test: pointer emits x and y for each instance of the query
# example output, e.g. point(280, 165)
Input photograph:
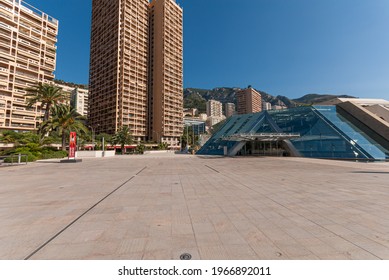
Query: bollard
point(19, 158)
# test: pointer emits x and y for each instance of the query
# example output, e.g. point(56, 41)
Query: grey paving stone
point(252, 208)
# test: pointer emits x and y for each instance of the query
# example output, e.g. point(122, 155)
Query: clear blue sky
point(284, 47)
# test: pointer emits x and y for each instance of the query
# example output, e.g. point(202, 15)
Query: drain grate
point(185, 256)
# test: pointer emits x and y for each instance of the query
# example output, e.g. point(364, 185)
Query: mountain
point(197, 98)
point(314, 98)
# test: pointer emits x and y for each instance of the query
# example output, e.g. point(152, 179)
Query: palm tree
point(65, 119)
point(123, 136)
point(48, 95)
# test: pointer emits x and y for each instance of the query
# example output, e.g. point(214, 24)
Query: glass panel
point(324, 133)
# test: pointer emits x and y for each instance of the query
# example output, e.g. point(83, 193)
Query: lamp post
point(187, 136)
point(93, 135)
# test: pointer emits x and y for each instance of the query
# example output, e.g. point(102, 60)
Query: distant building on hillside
point(79, 100)
point(278, 107)
point(266, 106)
point(203, 117)
point(229, 109)
point(212, 120)
point(67, 90)
point(248, 101)
point(191, 112)
point(214, 108)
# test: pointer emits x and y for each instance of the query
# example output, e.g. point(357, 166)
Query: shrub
point(140, 148)
point(47, 154)
point(14, 157)
point(34, 152)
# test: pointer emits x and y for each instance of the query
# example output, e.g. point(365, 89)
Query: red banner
point(72, 145)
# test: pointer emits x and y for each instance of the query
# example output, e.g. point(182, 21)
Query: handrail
point(18, 160)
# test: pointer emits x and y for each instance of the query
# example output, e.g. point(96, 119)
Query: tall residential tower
point(248, 101)
point(28, 40)
point(166, 71)
point(119, 66)
point(136, 68)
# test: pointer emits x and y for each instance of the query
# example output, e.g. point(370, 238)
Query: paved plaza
point(161, 206)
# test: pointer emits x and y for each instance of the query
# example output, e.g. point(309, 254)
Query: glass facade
point(323, 134)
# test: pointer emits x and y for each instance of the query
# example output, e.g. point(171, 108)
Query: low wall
point(158, 152)
point(94, 154)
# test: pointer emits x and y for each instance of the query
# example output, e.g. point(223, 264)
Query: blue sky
point(284, 47)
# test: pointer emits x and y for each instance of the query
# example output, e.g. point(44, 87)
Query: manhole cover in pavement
point(186, 256)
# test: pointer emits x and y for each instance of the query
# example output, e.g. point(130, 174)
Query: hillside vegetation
point(197, 98)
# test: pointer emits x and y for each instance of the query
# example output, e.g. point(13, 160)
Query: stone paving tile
point(133, 245)
point(214, 253)
point(252, 208)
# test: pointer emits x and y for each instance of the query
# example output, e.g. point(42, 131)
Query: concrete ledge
point(70, 160)
point(158, 152)
point(94, 154)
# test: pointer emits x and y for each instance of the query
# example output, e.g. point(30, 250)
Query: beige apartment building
point(28, 39)
point(136, 73)
point(248, 101)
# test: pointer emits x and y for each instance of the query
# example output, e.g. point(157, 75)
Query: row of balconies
point(173, 83)
point(176, 89)
point(7, 27)
point(50, 34)
point(8, 9)
point(173, 70)
point(173, 102)
point(170, 65)
point(5, 15)
point(30, 37)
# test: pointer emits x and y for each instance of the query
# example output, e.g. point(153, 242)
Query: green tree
point(64, 120)
point(122, 136)
point(9, 136)
point(48, 95)
point(140, 148)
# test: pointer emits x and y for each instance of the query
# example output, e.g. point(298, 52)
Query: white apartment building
point(79, 100)
point(214, 108)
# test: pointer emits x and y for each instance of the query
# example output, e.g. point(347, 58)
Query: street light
point(93, 135)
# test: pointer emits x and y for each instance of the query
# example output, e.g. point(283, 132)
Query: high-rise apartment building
point(136, 68)
point(166, 71)
point(119, 66)
point(248, 101)
point(79, 100)
point(214, 108)
point(28, 39)
point(214, 111)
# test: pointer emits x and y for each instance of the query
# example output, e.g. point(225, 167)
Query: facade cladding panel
point(28, 40)
point(136, 75)
point(323, 134)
